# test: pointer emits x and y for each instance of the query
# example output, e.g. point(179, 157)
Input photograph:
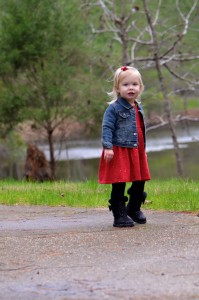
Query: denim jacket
point(119, 125)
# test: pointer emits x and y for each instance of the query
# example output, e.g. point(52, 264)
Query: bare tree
point(162, 44)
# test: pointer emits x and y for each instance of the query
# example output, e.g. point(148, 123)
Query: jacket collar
point(125, 103)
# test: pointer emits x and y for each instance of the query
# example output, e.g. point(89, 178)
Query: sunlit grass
point(172, 194)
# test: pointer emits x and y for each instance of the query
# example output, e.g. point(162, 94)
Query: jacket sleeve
point(108, 127)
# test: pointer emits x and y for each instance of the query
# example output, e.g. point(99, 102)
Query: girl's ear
point(117, 90)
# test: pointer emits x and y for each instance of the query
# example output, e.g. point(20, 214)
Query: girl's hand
point(108, 154)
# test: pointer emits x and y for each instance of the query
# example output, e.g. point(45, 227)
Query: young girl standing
point(123, 157)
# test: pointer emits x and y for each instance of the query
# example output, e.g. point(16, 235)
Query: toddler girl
point(123, 157)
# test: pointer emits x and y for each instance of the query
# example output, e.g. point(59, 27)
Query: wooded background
point(57, 60)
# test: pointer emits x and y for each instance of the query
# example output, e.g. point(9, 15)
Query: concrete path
point(66, 253)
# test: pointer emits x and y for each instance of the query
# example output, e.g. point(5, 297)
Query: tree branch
point(163, 122)
point(186, 26)
point(180, 77)
point(166, 59)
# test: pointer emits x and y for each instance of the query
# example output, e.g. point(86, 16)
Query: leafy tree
point(41, 55)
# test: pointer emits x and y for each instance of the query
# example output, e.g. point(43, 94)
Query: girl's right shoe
point(121, 219)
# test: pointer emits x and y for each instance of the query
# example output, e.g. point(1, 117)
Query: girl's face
point(129, 86)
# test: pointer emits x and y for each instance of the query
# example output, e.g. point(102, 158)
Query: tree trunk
point(51, 149)
point(125, 57)
point(179, 164)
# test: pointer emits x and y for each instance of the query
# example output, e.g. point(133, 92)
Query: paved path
point(65, 253)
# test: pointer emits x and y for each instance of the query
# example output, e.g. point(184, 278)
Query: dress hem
point(103, 182)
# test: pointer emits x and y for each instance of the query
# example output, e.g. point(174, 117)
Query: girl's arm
point(108, 127)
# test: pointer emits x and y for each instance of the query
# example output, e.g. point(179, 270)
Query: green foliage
point(11, 109)
point(40, 45)
point(41, 59)
point(15, 146)
point(51, 56)
point(180, 104)
point(28, 32)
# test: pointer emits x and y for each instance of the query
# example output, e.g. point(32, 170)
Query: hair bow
point(124, 68)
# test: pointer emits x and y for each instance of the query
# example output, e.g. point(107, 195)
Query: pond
point(79, 160)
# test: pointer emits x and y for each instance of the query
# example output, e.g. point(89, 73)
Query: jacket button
point(135, 145)
point(135, 133)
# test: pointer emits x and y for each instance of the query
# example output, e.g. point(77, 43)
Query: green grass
point(172, 194)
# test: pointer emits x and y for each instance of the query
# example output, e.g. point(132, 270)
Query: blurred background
point(57, 60)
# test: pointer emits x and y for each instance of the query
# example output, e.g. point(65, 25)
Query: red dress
point(128, 164)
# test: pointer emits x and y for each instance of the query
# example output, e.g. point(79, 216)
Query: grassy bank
point(172, 195)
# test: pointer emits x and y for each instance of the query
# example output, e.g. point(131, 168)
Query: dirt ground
point(68, 253)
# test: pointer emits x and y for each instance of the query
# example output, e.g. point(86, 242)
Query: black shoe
point(137, 216)
point(121, 219)
point(133, 208)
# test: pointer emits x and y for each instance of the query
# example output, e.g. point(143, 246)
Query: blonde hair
point(114, 94)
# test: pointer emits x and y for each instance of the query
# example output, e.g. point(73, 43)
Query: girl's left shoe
point(133, 208)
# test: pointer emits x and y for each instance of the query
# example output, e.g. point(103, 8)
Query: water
point(156, 141)
point(80, 159)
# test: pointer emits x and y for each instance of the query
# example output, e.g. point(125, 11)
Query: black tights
point(118, 189)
